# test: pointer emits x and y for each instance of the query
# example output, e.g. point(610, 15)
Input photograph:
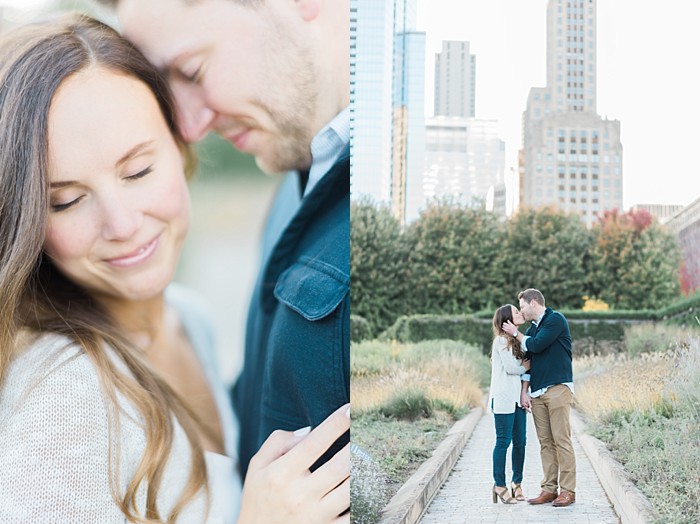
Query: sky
point(647, 64)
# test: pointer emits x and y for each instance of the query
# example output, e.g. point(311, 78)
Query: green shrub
point(611, 315)
point(685, 313)
point(360, 329)
point(597, 329)
point(408, 404)
point(378, 270)
point(587, 328)
point(417, 328)
point(371, 357)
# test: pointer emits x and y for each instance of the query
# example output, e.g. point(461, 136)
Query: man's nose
point(194, 118)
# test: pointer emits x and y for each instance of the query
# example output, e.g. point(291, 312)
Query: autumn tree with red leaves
point(634, 261)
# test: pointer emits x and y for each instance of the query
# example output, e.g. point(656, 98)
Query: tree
point(453, 251)
point(377, 264)
point(548, 250)
point(635, 261)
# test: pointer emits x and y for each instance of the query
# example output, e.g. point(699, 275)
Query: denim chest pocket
point(312, 288)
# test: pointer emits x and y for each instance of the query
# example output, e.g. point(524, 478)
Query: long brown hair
point(505, 314)
point(34, 61)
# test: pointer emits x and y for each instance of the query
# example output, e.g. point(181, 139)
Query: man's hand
point(526, 401)
point(279, 487)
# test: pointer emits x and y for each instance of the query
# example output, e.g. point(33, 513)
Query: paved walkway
point(465, 498)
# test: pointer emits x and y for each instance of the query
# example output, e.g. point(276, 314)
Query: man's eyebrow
point(172, 63)
point(134, 151)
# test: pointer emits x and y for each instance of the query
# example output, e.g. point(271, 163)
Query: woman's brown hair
point(34, 62)
point(505, 314)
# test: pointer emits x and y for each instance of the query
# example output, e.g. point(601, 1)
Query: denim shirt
point(297, 356)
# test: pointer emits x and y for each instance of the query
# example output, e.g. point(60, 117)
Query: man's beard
point(292, 108)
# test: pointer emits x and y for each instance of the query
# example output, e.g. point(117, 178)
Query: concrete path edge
point(414, 497)
point(629, 502)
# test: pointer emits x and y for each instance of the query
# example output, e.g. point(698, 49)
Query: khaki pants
point(551, 416)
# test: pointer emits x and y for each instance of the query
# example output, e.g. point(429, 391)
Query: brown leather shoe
point(543, 498)
point(565, 498)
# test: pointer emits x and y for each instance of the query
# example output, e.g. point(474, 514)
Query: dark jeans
point(509, 428)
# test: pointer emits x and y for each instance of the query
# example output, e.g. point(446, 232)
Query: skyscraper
point(571, 157)
point(371, 91)
point(387, 102)
point(408, 125)
point(464, 159)
point(408, 110)
point(455, 74)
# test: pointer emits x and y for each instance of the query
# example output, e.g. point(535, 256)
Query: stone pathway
point(465, 498)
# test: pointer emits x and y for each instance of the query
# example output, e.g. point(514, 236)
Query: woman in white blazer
point(507, 365)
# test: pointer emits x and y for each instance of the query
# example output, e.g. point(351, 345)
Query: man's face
point(244, 73)
point(528, 310)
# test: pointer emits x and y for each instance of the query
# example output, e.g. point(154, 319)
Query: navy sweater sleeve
point(553, 327)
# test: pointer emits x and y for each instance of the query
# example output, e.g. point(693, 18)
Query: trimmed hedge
point(416, 328)
point(683, 313)
point(591, 331)
point(589, 336)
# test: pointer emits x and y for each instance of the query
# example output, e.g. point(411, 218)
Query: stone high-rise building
point(686, 225)
point(571, 156)
point(455, 80)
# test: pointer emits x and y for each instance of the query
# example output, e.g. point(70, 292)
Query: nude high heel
point(517, 491)
point(503, 494)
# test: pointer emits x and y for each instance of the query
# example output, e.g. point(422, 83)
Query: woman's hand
point(526, 401)
point(280, 488)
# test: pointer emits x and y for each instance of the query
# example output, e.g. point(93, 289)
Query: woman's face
point(119, 204)
point(517, 316)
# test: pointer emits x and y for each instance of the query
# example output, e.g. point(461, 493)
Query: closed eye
point(141, 173)
point(62, 207)
point(194, 77)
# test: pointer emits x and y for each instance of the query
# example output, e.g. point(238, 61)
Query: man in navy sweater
point(548, 344)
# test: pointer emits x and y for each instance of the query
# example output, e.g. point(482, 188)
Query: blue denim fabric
point(297, 356)
point(510, 427)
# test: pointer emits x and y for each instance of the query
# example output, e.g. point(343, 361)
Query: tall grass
point(654, 337)
point(645, 404)
point(404, 399)
point(448, 373)
point(613, 384)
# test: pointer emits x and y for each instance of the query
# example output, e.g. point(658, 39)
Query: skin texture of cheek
point(174, 204)
point(66, 241)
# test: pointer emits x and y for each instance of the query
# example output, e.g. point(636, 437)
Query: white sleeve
point(54, 438)
point(510, 363)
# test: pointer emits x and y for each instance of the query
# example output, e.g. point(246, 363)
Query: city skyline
point(648, 89)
